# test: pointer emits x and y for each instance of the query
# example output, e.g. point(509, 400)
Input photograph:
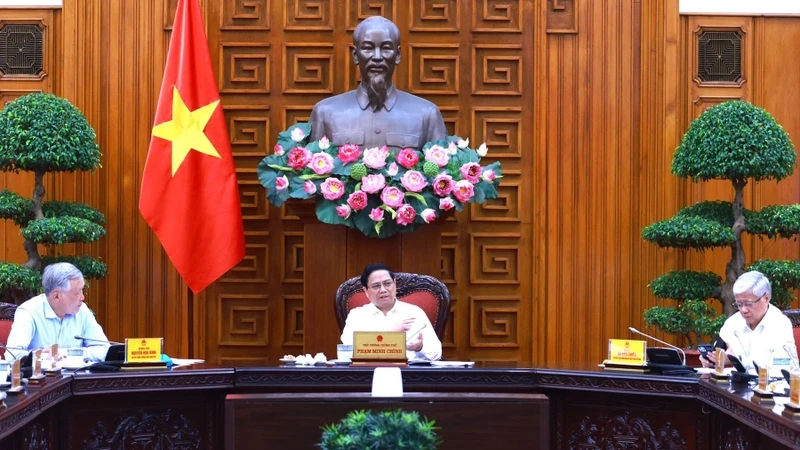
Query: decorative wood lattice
point(719, 57)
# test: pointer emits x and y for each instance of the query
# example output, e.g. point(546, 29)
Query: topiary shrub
point(380, 430)
point(42, 133)
point(733, 141)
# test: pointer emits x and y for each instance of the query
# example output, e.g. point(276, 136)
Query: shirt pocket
point(348, 137)
point(403, 140)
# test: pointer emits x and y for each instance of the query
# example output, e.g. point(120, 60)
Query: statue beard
point(377, 89)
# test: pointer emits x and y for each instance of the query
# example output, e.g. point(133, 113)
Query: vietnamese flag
point(189, 193)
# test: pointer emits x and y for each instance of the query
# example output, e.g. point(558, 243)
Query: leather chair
point(794, 317)
point(424, 291)
point(7, 311)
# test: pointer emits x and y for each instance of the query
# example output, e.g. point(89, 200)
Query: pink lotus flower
point(349, 153)
point(309, 187)
point(488, 175)
point(297, 134)
point(357, 200)
point(406, 215)
point(321, 163)
point(471, 172)
point(281, 183)
point(428, 215)
point(392, 170)
point(413, 181)
point(452, 149)
point(376, 214)
point(299, 157)
point(408, 158)
point(332, 188)
point(446, 204)
point(278, 150)
point(375, 158)
point(443, 185)
point(438, 155)
point(324, 143)
point(393, 197)
point(343, 211)
point(373, 183)
point(464, 191)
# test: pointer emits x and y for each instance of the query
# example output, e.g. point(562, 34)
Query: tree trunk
point(34, 260)
point(736, 265)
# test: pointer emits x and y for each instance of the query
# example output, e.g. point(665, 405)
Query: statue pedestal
point(335, 253)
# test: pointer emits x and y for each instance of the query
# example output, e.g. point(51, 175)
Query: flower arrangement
point(375, 190)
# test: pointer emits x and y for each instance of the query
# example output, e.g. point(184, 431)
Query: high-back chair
point(7, 311)
point(794, 317)
point(424, 291)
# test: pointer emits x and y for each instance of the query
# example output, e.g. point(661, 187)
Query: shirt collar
point(363, 98)
point(49, 313)
point(374, 309)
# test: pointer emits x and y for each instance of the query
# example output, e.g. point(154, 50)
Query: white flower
point(297, 134)
point(324, 143)
point(462, 144)
point(482, 150)
point(451, 149)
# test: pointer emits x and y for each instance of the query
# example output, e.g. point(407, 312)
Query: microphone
point(77, 336)
point(416, 332)
point(746, 353)
point(683, 355)
point(14, 348)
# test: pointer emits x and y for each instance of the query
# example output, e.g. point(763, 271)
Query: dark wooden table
point(588, 408)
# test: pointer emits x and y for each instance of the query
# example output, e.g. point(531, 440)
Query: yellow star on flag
point(185, 130)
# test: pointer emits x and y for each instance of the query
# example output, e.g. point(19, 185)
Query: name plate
point(379, 345)
point(140, 350)
point(626, 351)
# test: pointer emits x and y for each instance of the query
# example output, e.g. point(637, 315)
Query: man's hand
point(415, 344)
point(403, 325)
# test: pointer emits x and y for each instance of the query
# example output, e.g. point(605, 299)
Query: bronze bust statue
point(377, 113)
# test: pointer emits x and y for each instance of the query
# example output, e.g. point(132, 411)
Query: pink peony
point(408, 158)
point(446, 204)
point(309, 187)
point(297, 134)
point(406, 215)
point(375, 158)
point(471, 172)
point(438, 155)
point(428, 215)
point(357, 200)
point(392, 170)
point(376, 214)
point(443, 185)
point(278, 150)
point(281, 183)
point(373, 183)
point(413, 181)
point(332, 188)
point(321, 163)
point(299, 158)
point(343, 211)
point(324, 143)
point(349, 153)
point(392, 197)
point(488, 175)
point(464, 191)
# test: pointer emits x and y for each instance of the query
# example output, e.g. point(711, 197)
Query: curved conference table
point(577, 407)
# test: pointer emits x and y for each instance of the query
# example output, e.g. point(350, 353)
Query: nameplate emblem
point(139, 350)
point(626, 351)
point(379, 346)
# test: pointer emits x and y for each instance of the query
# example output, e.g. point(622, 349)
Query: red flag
point(189, 193)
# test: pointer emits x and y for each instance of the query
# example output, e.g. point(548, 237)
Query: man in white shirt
point(385, 313)
point(759, 333)
point(57, 316)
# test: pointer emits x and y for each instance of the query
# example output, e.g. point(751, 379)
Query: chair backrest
point(7, 311)
point(794, 317)
point(424, 291)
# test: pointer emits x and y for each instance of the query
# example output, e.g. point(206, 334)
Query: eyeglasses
point(386, 285)
point(748, 305)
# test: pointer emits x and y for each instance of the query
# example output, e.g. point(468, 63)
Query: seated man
point(759, 332)
point(57, 316)
point(385, 313)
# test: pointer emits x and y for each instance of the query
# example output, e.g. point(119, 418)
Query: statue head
point(376, 52)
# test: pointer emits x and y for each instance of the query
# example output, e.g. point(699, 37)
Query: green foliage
point(62, 230)
point(380, 430)
point(16, 277)
point(718, 211)
point(686, 285)
point(92, 269)
point(42, 132)
point(781, 221)
point(693, 319)
point(735, 141)
point(784, 275)
point(15, 207)
point(686, 231)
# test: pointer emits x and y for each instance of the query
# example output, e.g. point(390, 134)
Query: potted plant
point(733, 141)
point(380, 430)
point(42, 133)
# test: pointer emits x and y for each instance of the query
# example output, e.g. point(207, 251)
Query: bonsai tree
point(733, 141)
point(380, 430)
point(42, 133)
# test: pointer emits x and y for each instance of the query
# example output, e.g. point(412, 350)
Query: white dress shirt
point(770, 344)
point(36, 325)
point(370, 318)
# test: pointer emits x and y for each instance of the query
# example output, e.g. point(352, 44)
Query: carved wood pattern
point(36, 438)
point(184, 381)
point(7, 311)
point(601, 383)
point(624, 431)
point(562, 16)
point(157, 430)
